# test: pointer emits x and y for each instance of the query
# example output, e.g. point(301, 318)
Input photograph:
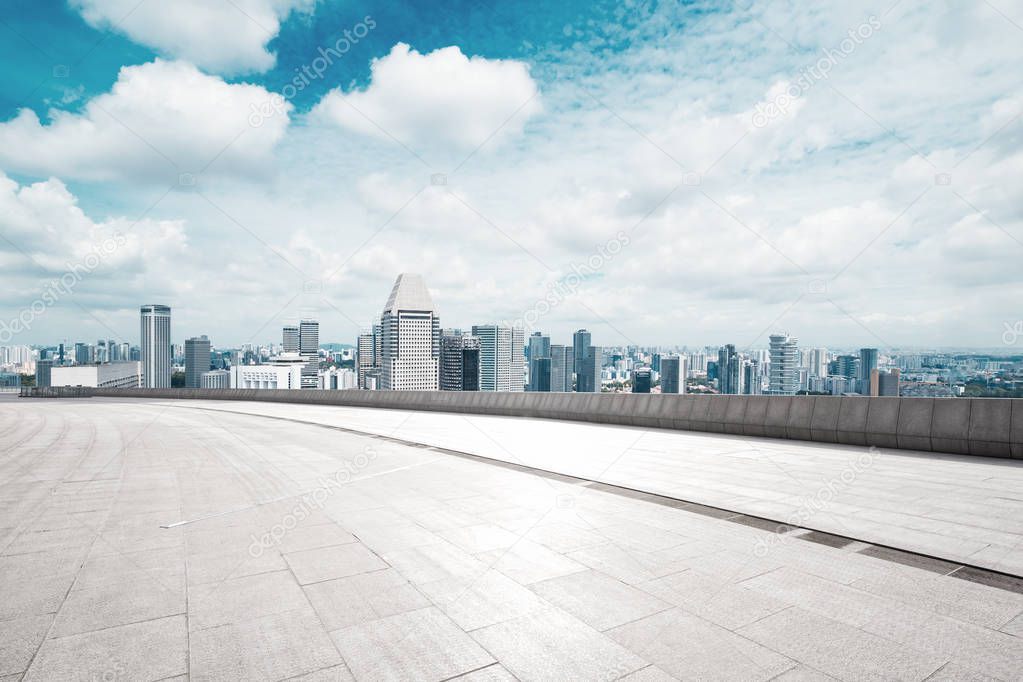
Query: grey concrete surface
point(148, 540)
point(989, 427)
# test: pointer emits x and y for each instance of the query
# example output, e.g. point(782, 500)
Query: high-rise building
point(672, 374)
point(289, 339)
point(752, 383)
point(846, 366)
point(784, 373)
point(580, 344)
point(539, 362)
point(819, 362)
point(197, 360)
point(588, 379)
point(562, 368)
point(729, 370)
point(364, 357)
point(410, 337)
point(44, 368)
point(501, 358)
point(309, 349)
point(868, 363)
point(82, 354)
point(641, 380)
point(459, 362)
point(156, 346)
point(885, 383)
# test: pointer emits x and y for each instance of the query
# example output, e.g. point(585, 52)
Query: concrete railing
point(987, 427)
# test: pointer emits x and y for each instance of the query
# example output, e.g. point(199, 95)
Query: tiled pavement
point(148, 541)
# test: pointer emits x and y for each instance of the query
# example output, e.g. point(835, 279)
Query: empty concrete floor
point(150, 541)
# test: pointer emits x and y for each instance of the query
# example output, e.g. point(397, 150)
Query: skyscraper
point(364, 357)
point(44, 368)
point(309, 349)
point(197, 360)
point(729, 370)
point(562, 368)
point(82, 354)
point(501, 358)
point(784, 373)
point(459, 362)
point(641, 380)
point(289, 339)
point(410, 337)
point(539, 362)
point(580, 344)
point(588, 378)
point(672, 377)
point(868, 363)
point(156, 346)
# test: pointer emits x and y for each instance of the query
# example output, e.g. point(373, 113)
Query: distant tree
point(178, 380)
point(28, 379)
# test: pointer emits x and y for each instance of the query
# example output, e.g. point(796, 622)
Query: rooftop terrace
point(247, 540)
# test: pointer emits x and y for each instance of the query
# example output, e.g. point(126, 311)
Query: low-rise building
point(106, 375)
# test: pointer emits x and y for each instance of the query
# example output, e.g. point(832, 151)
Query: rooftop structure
point(251, 540)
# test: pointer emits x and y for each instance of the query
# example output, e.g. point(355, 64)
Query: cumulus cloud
point(159, 121)
point(225, 37)
point(440, 99)
point(46, 236)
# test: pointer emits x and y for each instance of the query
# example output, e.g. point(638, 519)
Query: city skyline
point(679, 175)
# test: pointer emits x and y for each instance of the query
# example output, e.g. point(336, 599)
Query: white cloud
point(46, 235)
point(160, 120)
point(226, 37)
point(440, 99)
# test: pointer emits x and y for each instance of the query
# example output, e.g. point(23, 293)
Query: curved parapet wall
point(987, 427)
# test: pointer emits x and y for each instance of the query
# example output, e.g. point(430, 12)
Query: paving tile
point(491, 673)
point(161, 568)
point(1014, 626)
point(688, 647)
point(627, 565)
point(971, 646)
point(838, 649)
point(335, 673)
point(550, 644)
point(153, 650)
point(431, 563)
point(528, 562)
point(212, 567)
point(272, 647)
point(420, 645)
point(312, 537)
point(953, 672)
point(357, 599)
point(565, 537)
point(483, 599)
point(716, 599)
point(387, 538)
point(326, 563)
point(480, 538)
point(598, 600)
point(19, 639)
point(651, 673)
point(33, 596)
point(965, 600)
point(240, 599)
point(115, 604)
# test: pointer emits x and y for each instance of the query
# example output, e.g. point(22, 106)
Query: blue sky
point(848, 173)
